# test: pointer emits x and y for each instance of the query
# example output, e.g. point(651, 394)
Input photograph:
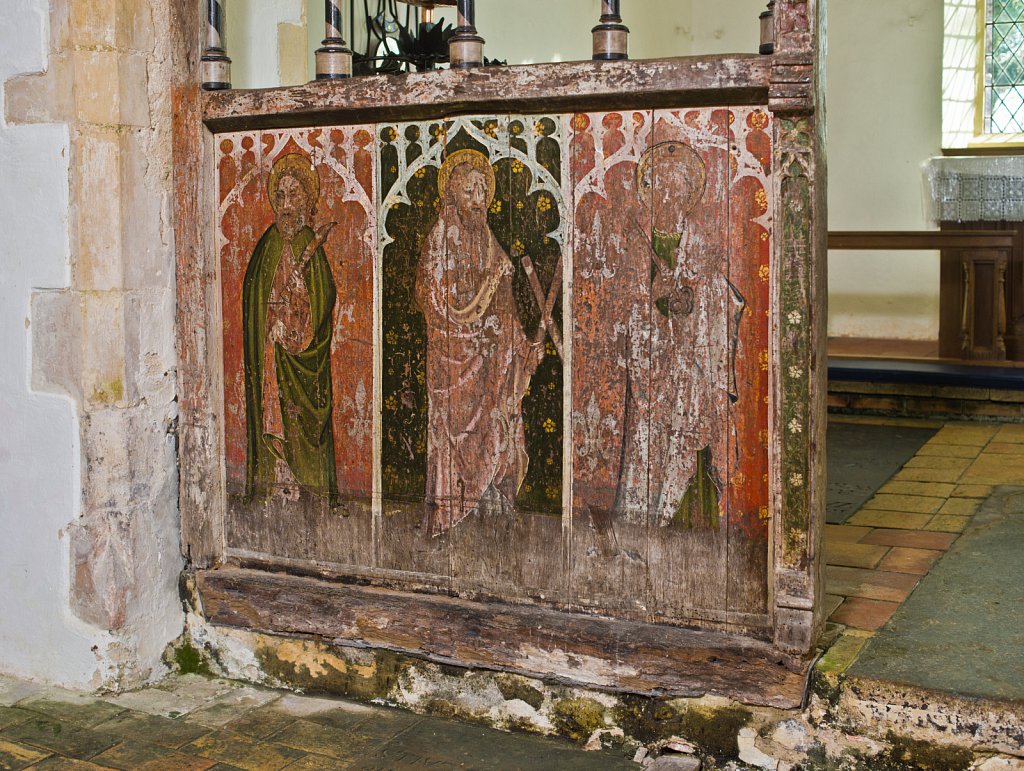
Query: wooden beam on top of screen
point(731, 80)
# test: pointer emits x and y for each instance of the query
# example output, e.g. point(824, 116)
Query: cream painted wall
point(884, 122)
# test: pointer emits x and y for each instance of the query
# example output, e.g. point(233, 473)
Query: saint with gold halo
point(288, 298)
point(479, 360)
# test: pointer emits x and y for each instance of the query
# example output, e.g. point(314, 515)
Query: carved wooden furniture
point(973, 319)
point(591, 591)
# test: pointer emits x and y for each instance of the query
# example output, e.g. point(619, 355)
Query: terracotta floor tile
point(851, 533)
point(995, 470)
point(915, 474)
point(913, 539)
point(869, 584)
point(915, 504)
point(905, 487)
point(854, 555)
point(903, 560)
point(893, 519)
point(946, 524)
point(944, 450)
point(973, 491)
point(862, 613)
point(938, 461)
point(960, 507)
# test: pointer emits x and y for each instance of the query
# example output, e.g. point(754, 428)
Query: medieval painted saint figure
point(288, 298)
point(479, 360)
point(681, 353)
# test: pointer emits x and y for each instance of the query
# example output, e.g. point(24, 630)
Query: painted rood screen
point(520, 356)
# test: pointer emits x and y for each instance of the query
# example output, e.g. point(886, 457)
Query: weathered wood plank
point(559, 87)
point(201, 499)
point(606, 654)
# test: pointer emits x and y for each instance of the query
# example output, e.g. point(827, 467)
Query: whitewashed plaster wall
point(39, 448)
point(90, 557)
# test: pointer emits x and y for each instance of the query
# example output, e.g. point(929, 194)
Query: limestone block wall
point(87, 458)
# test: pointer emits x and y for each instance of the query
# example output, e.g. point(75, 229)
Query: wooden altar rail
point(559, 87)
point(972, 302)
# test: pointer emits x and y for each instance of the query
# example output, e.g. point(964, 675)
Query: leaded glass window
point(1004, 67)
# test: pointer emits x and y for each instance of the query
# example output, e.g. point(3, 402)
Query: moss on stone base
point(578, 718)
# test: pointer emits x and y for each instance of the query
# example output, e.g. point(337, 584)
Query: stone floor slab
point(903, 560)
point(86, 711)
point(947, 524)
point(890, 519)
point(929, 489)
point(163, 731)
point(942, 462)
point(915, 504)
point(854, 555)
point(62, 738)
point(16, 755)
point(862, 613)
point(177, 697)
point(973, 491)
point(12, 691)
point(945, 450)
point(850, 533)
point(142, 756)
point(913, 539)
point(869, 584)
point(243, 752)
point(960, 507)
point(996, 470)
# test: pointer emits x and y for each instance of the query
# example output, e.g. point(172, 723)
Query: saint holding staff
point(288, 299)
point(479, 360)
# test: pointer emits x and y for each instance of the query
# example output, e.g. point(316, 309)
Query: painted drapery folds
point(513, 356)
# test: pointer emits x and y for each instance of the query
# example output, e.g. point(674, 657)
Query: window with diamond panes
point(1004, 67)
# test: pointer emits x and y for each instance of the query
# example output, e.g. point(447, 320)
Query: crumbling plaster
point(87, 460)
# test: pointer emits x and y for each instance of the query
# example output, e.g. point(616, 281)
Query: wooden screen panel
point(610, 548)
point(298, 341)
point(471, 427)
point(670, 388)
point(411, 155)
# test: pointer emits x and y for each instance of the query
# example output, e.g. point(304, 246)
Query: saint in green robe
point(303, 379)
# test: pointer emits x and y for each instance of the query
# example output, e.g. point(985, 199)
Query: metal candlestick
point(334, 58)
point(768, 29)
point(215, 66)
point(611, 36)
point(466, 47)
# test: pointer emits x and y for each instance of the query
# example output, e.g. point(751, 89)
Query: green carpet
point(962, 630)
point(862, 458)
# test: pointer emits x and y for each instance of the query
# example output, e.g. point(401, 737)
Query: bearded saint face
point(467, 191)
point(291, 206)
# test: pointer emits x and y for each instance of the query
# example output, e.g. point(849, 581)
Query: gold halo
point(472, 158)
point(301, 168)
point(671, 152)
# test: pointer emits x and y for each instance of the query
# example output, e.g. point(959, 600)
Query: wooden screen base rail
point(600, 653)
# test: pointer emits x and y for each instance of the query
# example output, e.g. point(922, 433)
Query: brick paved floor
point(875, 560)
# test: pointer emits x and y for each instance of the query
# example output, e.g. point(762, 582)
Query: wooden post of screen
point(800, 305)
